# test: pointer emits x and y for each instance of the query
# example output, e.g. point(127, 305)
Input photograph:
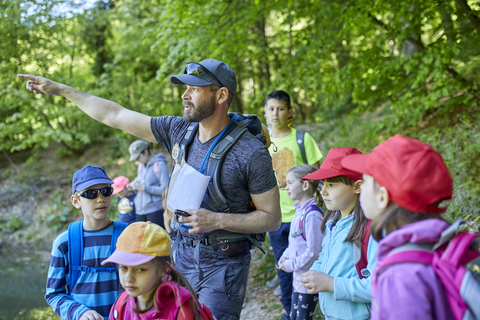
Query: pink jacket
point(170, 296)
point(409, 290)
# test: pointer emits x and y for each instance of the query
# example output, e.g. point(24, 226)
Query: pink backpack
point(456, 261)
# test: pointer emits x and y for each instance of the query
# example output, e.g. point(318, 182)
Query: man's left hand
point(201, 220)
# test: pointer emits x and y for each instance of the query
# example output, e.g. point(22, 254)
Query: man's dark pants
point(222, 289)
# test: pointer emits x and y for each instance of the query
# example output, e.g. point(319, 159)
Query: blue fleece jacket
point(352, 296)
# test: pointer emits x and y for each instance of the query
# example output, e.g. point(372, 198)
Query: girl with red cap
point(405, 180)
point(304, 240)
point(153, 288)
point(344, 292)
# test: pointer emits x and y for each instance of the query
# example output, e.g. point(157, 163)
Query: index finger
point(26, 76)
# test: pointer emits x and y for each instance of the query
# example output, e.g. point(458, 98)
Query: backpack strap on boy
point(301, 144)
point(303, 218)
point(75, 251)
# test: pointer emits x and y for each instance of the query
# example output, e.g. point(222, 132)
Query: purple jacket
point(409, 290)
point(301, 254)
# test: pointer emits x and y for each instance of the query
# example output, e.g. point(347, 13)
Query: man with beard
point(219, 276)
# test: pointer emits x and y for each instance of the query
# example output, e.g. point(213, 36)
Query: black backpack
point(238, 125)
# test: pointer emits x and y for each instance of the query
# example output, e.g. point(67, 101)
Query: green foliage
point(15, 223)
point(363, 70)
point(59, 214)
point(45, 313)
point(11, 223)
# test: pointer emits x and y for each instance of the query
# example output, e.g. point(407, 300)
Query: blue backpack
point(75, 251)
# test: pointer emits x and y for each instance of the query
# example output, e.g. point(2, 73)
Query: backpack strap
point(75, 253)
point(186, 141)
point(118, 228)
point(360, 255)
point(119, 306)
point(301, 230)
point(217, 156)
point(156, 169)
point(301, 144)
point(408, 252)
point(449, 233)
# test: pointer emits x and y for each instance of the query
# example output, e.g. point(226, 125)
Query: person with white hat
point(152, 178)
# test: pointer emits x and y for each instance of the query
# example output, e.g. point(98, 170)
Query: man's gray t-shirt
point(247, 169)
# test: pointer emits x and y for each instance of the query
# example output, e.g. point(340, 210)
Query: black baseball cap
point(216, 72)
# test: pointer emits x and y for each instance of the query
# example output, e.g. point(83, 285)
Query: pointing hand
point(41, 85)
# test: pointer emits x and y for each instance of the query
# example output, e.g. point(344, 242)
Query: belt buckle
point(207, 241)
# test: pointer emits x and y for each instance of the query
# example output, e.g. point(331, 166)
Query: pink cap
point(119, 183)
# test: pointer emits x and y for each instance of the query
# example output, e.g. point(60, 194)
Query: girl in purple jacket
point(305, 240)
point(405, 180)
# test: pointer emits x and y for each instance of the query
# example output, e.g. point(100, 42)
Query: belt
point(228, 244)
point(214, 241)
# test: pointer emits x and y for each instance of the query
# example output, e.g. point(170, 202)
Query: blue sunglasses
point(94, 193)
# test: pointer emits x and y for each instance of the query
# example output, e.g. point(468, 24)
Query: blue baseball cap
point(208, 72)
point(89, 176)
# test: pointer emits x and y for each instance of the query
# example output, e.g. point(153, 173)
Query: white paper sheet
point(187, 188)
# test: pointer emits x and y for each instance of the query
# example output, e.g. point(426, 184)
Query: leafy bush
point(11, 223)
point(59, 213)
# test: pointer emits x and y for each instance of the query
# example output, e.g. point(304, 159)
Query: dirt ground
point(261, 304)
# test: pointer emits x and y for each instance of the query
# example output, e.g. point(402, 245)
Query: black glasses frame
point(198, 71)
point(94, 193)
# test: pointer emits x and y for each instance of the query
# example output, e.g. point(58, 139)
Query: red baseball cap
point(119, 183)
point(414, 174)
point(332, 166)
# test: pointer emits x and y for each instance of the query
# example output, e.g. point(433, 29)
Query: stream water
point(22, 287)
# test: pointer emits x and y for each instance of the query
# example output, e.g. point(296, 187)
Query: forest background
point(358, 72)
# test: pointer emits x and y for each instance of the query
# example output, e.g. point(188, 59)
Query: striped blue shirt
point(94, 290)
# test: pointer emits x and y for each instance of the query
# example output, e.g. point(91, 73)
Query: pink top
point(170, 296)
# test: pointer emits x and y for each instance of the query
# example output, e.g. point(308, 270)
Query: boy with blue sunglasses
point(78, 286)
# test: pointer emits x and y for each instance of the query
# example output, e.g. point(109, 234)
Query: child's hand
point(91, 315)
point(134, 185)
point(317, 282)
point(281, 264)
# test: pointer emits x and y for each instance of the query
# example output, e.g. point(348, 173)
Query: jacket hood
point(155, 158)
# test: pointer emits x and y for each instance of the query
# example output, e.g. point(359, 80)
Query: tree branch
point(470, 14)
